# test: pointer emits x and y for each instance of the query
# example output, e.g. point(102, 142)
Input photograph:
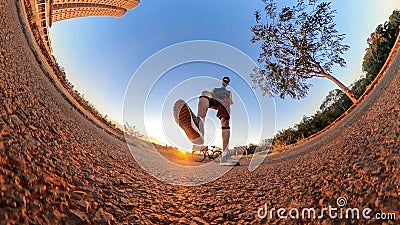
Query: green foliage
point(251, 149)
point(336, 102)
point(379, 44)
point(297, 43)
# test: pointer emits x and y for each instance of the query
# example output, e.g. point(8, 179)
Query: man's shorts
point(221, 110)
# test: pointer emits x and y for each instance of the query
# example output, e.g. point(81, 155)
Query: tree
point(251, 148)
point(298, 43)
point(375, 54)
point(132, 131)
point(335, 97)
point(380, 43)
point(336, 102)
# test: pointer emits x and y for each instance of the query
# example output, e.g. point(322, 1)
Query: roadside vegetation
point(289, 58)
point(380, 43)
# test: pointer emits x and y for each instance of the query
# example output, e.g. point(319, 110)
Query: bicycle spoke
point(198, 155)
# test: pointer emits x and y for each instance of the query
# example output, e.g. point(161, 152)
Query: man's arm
point(230, 98)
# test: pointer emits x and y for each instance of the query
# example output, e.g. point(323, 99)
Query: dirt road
point(56, 167)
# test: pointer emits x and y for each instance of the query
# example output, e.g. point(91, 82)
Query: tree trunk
point(342, 87)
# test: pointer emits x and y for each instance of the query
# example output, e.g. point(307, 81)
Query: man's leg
point(226, 133)
point(203, 104)
point(191, 124)
point(202, 109)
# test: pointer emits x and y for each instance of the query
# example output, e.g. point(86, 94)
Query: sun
point(184, 150)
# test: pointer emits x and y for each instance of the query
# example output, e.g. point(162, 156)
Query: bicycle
point(211, 153)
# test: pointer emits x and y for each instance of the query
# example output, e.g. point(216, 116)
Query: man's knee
point(206, 93)
point(224, 122)
point(205, 96)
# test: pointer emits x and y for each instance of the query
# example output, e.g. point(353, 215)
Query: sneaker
point(191, 124)
point(199, 147)
point(228, 161)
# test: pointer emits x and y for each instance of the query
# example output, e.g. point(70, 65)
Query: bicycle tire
point(215, 155)
point(198, 155)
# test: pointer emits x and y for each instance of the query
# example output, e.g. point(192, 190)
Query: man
point(218, 99)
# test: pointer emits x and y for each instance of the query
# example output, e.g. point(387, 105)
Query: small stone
point(125, 201)
point(229, 215)
point(38, 188)
point(80, 215)
point(389, 191)
point(157, 218)
point(219, 220)
point(119, 213)
point(8, 109)
point(103, 217)
point(30, 178)
point(132, 218)
point(122, 181)
point(84, 205)
point(327, 222)
point(52, 129)
point(392, 137)
point(362, 201)
point(79, 194)
point(154, 208)
point(2, 179)
point(15, 120)
point(375, 169)
point(100, 180)
point(32, 127)
point(56, 217)
point(322, 202)
point(358, 166)
point(199, 220)
point(378, 203)
point(183, 220)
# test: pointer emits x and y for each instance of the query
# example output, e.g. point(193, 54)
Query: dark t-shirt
point(222, 93)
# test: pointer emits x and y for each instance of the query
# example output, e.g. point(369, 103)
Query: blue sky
point(183, 71)
point(101, 54)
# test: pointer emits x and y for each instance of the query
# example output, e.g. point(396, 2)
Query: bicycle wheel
point(198, 155)
point(215, 155)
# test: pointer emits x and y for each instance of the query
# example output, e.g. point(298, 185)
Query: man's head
point(225, 81)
